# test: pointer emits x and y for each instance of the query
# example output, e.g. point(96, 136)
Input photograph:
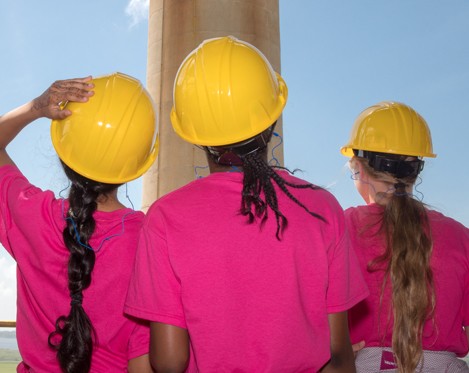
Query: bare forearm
point(342, 358)
point(14, 121)
point(46, 105)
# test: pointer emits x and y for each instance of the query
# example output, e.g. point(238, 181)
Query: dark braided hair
point(259, 178)
point(74, 350)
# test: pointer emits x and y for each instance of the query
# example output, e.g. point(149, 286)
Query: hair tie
point(77, 299)
point(399, 189)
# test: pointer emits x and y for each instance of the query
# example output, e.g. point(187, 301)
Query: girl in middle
point(248, 269)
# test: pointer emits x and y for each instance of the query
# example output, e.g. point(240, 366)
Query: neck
point(109, 202)
point(215, 167)
point(379, 192)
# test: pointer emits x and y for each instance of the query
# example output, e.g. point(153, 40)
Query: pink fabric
point(31, 227)
point(251, 303)
point(450, 265)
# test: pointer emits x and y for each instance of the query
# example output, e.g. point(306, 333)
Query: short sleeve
point(139, 342)
point(155, 292)
point(14, 188)
point(347, 286)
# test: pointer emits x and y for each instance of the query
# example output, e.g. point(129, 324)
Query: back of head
point(389, 140)
point(107, 141)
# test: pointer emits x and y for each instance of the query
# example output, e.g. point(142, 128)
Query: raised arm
point(342, 358)
point(46, 105)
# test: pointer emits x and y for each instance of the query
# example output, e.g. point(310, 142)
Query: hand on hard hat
point(50, 103)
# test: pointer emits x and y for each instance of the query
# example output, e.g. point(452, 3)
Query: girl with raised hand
point(74, 256)
point(414, 259)
point(247, 269)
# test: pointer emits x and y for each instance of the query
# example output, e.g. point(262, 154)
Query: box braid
point(258, 176)
point(74, 350)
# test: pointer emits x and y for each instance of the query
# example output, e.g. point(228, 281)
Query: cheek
point(357, 184)
point(362, 188)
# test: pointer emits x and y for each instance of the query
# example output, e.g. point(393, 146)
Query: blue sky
point(338, 57)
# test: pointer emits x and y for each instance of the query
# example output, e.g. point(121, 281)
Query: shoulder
point(359, 217)
point(319, 194)
point(450, 240)
point(10, 172)
point(444, 224)
point(200, 189)
point(192, 188)
point(13, 184)
point(175, 200)
point(353, 213)
point(440, 218)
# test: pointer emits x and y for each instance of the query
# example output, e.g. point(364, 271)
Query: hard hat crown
point(112, 138)
point(225, 92)
point(390, 127)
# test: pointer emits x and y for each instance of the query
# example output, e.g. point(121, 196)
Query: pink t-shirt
point(31, 226)
point(450, 265)
point(250, 303)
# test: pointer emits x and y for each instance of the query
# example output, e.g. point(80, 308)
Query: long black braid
point(258, 176)
point(74, 350)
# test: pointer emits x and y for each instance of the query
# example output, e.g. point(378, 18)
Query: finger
point(77, 95)
point(358, 346)
point(72, 93)
point(60, 114)
point(78, 80)
point(74, 86)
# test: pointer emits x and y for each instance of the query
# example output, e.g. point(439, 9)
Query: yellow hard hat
point(112, 138)
point(225, 92)
point(390, 127)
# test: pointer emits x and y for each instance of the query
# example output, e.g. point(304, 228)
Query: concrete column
point(176, 27)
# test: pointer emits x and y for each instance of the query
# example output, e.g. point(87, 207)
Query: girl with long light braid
point(414, 259)
point(247, 269)
point(75, 255)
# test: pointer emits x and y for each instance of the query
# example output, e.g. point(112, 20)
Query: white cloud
point(137, 10)
point(7, 288)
